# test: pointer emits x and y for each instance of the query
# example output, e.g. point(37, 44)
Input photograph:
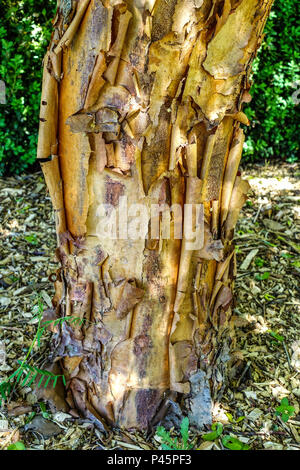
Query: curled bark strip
point(232, 166)
point(56, 59)
point(175, 144)
point(221, 20)
point(129, 298)
point(73, 27)
point(219, 281)
point(240, 117)
point(82, 122)
point(226, 58)
point(215, 207)
point(75, 148)
point(246, 97)
point(223, 302)
point(193, 193)
point(223, 266)
point(96, 82)
point(212, 249)
point(238, 198)
point(54, 184)
point(117, 47)
point(126, 77)
point(47, 142)
point(55, 397)
point(184, 354)
point(191, 158)
point(80, 399)
point(213, 166)
point(105, 120)
point(207, 158)
point(100, 152)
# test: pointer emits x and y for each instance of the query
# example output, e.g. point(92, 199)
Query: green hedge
point(25, 29)
point(273, 112)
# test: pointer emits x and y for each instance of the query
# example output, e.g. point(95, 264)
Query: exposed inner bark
point(143, 99)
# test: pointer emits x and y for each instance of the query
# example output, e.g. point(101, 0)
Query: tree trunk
point(141, 103)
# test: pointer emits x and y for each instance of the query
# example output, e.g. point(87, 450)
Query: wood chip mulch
point(266, 314)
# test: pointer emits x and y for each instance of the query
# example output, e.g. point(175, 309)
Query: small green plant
point(23, 209)
point(230, 442)
point(30, 417)
point(233, 443)
point(232, 420)
point(269, 297)
point(31, 372)
point(72, 320)
point(32, 239)
point(16, 446)
point(44, 411)
point(277, 338)
point(238, 249)
point(5, 389)
point(259, 262)
point(269, 243)
point(170, 443)
point(285, 410)
point(295, 246)
point(216, 431)
point(286, 255)
point(262, 277)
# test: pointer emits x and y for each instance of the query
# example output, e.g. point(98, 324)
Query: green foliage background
point(273, 113)
point(25, 29)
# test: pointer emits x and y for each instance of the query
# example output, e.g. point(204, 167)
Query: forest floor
point(267, 321)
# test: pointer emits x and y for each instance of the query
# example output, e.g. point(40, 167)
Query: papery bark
point(149, 99)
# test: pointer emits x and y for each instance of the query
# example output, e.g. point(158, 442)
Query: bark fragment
point(47, 142)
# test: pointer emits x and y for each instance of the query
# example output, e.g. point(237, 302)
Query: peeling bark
point(143, 99)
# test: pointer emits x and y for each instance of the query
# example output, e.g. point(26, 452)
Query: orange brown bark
point(148, 105)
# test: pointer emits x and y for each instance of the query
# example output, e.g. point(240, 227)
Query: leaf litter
point(266, 366)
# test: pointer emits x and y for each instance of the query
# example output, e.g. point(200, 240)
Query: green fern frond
point(5, 389)
point(70, 319)
point(169, 443)
point(31, 374)
point(34, 372)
